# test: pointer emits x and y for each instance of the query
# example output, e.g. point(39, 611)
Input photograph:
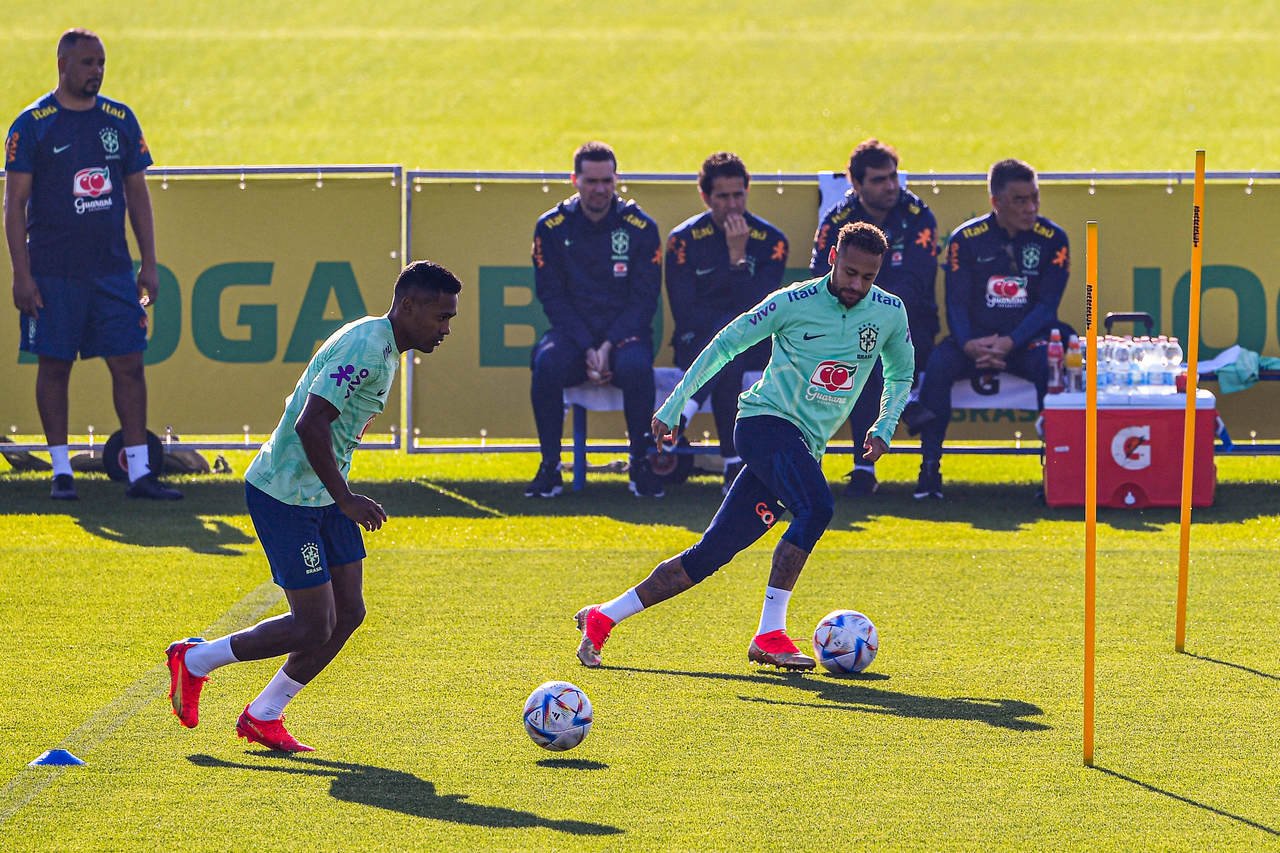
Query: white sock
point(774, 615)
point(139, 465)
point(204, 658)
point(865, 466)
point(60, 458)
point(625, 605)
point(271, 701)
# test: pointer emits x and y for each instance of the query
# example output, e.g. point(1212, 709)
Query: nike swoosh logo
point(60, 149)
point(770, 597)
point(705, 272)
point(383, 391)
point(986, 260)
point(809, 337)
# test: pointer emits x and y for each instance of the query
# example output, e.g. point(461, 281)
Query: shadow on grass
point(397, 791)
point(103, 511)
point(573, 764)
point(1162, 792)
point(848, 693)
point(1238, 666)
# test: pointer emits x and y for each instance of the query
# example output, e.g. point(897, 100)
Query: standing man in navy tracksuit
point(74, 160)
point(1005, 276)
point(597, 264)
point(720, 263)
point(909, 272)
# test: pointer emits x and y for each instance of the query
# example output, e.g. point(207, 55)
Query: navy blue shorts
point(95, 317)
point(302, 542)
point(780, 475)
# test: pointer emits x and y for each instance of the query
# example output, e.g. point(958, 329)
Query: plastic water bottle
point(1173, 358)
point(1057, 377)
point(1074, 364)
point(1121, 363)
point(1142, 358)
point(1162, 372)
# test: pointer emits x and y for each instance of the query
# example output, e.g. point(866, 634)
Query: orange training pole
point(1189, 428)
point(1090, 474)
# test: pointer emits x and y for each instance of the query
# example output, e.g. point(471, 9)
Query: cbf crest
point(110, 140)
point(621, 242)
point(1030, 256)
point(867, 337)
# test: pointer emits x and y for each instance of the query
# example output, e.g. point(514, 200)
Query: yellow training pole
point(1090, 473)
point(1189, 428)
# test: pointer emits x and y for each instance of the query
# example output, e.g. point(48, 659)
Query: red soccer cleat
point(270, 733)
point(595, 628)
point(184, 688)
point(776, 648)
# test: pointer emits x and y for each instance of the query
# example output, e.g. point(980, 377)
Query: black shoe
point(64, 488)
point(645, 483)
point(929, 483)
point(547, 483)
point(862, 484)
point(150, 487)
point(731, 471)
point(915, 416)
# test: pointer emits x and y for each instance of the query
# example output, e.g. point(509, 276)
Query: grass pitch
point(500, 84)
point(964, 734)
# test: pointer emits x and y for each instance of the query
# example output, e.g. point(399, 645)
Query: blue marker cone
point(56, 758)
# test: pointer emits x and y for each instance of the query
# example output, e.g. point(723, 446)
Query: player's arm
point(920, 260)
point(313, 429)
point(744, 332)
point(680, 285)
point(1053, 283)
point(17, 192)
point(820, 262)
point(551, 286)
point(137, 200)
point(898, 358)
point(771, 264)
point(958, 285)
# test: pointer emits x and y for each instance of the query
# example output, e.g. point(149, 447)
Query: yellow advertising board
point(481, 229)
point(255, 273)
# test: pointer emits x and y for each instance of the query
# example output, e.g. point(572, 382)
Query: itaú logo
point(1131, 448)
point(834, 375)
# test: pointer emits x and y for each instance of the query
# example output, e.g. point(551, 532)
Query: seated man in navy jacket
point(597, 268)
point(1005, 274)
point(720, 263)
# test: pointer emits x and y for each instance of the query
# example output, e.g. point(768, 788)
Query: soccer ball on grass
point(557, 715)
point(845, 641)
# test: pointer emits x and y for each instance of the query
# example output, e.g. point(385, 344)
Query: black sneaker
point(150, 487)
point(915, 416)
point(929, 483)
point(862, 484)
point(731, 471)
point(645, 483)
point(64, 488)
point(547, 483)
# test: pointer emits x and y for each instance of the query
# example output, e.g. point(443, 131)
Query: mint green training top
point(354, 370)
point(823, 353)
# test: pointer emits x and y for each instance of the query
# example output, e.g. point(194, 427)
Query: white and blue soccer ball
point(557, 715)
point(845, 641)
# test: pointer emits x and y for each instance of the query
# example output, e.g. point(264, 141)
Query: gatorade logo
point(1131, 448)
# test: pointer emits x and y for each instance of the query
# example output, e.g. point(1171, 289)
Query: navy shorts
point(302, 542)
point(95, 317)
point(780, 475)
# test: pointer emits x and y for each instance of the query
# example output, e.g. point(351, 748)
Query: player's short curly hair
point(722, 164)
point(426, 276)
point(864, 236)
point(596, 152)
point(1006, 172)
point(871, 154)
